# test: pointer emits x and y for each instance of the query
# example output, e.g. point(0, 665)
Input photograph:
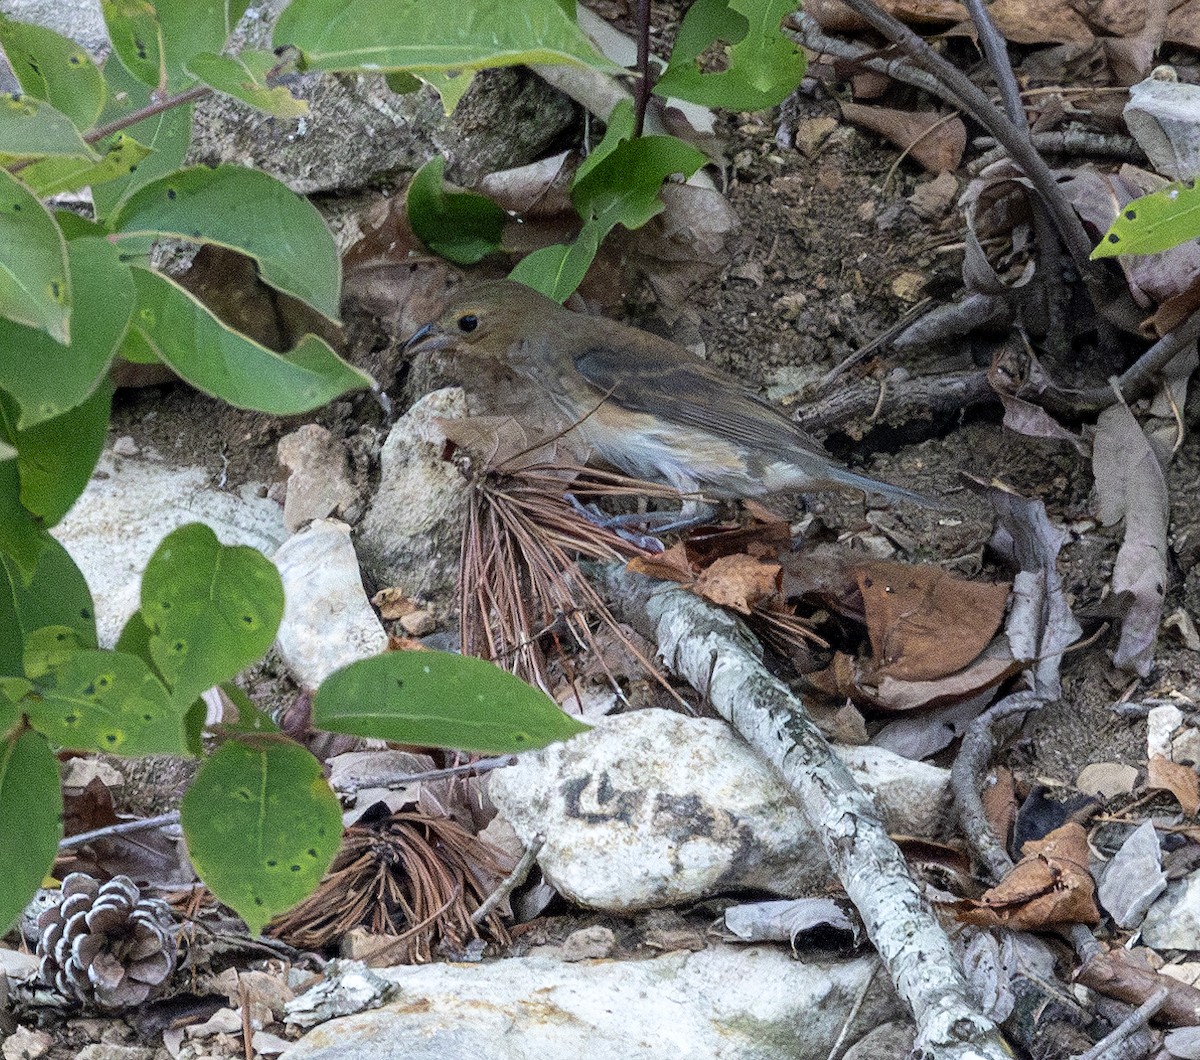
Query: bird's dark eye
point(468, 323)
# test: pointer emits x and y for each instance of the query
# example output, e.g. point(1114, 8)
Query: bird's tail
point(845, 477)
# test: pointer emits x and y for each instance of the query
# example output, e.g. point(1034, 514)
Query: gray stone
point(81, 20)
point(131, 504)
point(652, 808)
point(328, 622)
point(749, 1003)
point(589, 944)
point(319, 484)
point(1173, 922)
point(409, 537)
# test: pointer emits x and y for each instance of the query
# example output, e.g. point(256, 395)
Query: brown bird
point(644, 404)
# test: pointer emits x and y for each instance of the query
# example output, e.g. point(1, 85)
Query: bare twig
point(910, 399)
point(1109, 296)
point(708, 648)
point(484, 765)
point(512, 881)
point(124, 828)
point(1136, 1020)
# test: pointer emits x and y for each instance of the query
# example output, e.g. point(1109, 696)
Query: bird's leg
point(693, 513)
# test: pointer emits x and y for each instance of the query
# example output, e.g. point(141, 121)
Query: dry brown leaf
point(933, 140)
point(671, 566)
point(1124, 975)
point(837, 679)
point(1180, 780)
point(1049, 887)
point(738, 581)
point(835, 17)
point(1034, 22)
point(924, 623)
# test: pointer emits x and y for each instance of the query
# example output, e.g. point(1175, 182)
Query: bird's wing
point(658, 380)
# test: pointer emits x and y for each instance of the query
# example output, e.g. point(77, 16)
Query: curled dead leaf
point(739, 581)
point(1180, 780)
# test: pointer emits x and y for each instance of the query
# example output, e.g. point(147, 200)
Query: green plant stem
point(1110, 300)
point(641, 95)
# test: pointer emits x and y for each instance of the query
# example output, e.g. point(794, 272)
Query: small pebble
point(418, 623)
point(125, 446)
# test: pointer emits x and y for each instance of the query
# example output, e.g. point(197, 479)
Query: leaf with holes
point(246, 210)
point(107, 701)
point(31, 127)
point(436, 699)
point(262, 826)
point(1155, 222)
point(54, 68)
point(53, 176)
point(244, 76)
point(30, 819)
point(212, 609)
point(763, 66)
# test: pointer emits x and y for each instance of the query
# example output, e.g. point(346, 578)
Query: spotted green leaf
point(107, 701)
point(54, 68)
point(34, 288)
point(436, 699)
point(244, 76)
point(262, 826)
point(1155, 222)
point(49, 378)
point(211, 609)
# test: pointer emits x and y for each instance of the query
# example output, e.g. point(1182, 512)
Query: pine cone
point(105, 944)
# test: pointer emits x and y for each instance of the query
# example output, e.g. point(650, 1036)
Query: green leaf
point(559, 269)
point(224, 363)
point(250, 720)
point(54, 68)
point(107, 701)
point(461, 226)
point(52, 176)
point(136, 37)
point(262, 826)
point(247, 210)
point(56, 457)
point(451, 85)
point(34, 289)
point(618, 184)
point(380, 35)
point(436, 699)
point(212, 609)
point(48, 648)
point(190, 27)
point(48, 378)
point(31, 807)
point(168, 134)
point(31, 127)
point(1155, 222)
point(56, 595)
point(764, 66)
point(21, 537)
point(243, 77)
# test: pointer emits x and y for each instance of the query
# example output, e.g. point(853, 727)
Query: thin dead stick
point(124, 828)
point(1110, 297)
point(966, 776)
point(512, 881)
point(711, 650)
point(859, 1001)
point(1136, 1020)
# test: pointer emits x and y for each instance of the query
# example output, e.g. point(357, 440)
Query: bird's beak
point(427, 338)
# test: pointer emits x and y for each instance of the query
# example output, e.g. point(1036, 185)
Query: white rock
point(722, 1002)
point(1173, 922)
point(652, 808)
point(130, 505)
point(1161, 723)
point(328, 622)
point(410, 535)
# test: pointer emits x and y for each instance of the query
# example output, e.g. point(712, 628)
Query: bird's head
point(493, 320)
